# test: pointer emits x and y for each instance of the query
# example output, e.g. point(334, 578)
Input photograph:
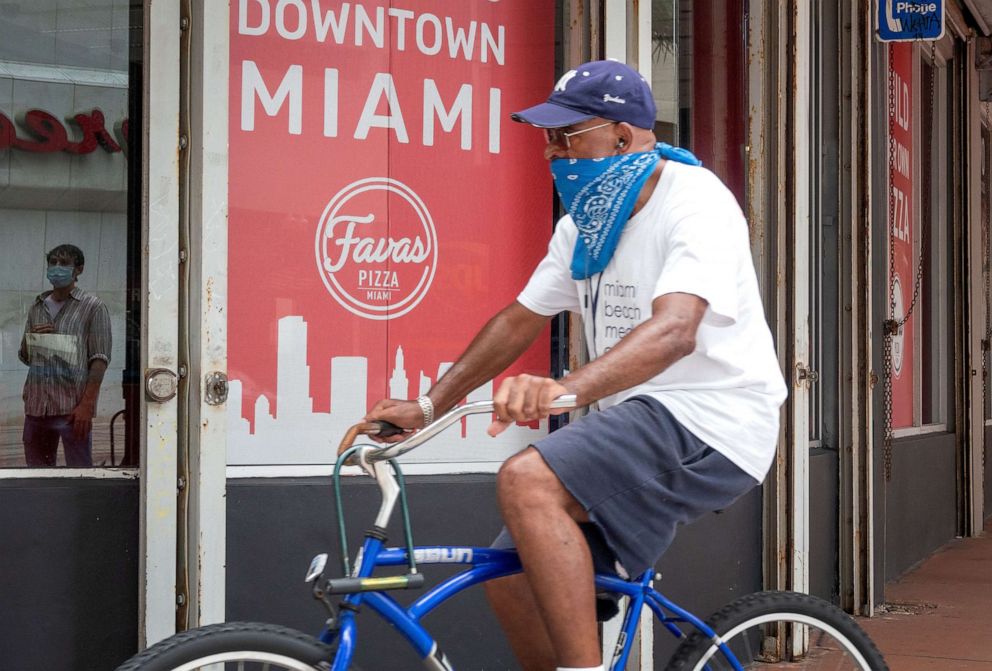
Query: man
point(655, 257)
point(66, 345)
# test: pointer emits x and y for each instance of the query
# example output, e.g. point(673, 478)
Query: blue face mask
point(60, 276)
point(600, 194)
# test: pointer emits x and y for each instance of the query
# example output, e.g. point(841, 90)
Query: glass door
point(69, 258)
point(88, 357)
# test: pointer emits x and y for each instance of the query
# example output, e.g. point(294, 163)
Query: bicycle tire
point(740, 621)
point(230, 642)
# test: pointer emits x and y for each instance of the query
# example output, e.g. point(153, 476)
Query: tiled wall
point(78, 33)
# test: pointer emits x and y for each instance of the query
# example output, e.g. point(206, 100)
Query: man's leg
point(78, 451)
point(542, 517)
point(40, 443)
point(513, 602)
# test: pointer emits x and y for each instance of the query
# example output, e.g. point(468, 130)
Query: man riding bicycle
point(654, 255)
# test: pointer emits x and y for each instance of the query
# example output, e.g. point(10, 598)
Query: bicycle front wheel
point(245, 646)
point(781, 630)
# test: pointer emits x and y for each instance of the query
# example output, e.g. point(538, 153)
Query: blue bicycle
point(767, 630)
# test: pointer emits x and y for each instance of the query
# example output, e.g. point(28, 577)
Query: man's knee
point(524, 476)
point(525, 482)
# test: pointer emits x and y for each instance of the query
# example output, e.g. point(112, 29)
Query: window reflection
point(671, 68)
point(66, 347)
point(64, 160)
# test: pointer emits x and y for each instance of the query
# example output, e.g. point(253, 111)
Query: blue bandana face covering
point(600, 194)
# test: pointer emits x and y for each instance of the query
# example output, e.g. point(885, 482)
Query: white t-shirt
point(690, 237)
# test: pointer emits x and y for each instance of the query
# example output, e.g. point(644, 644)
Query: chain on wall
point(986, 271)
point(892, 326)
point(986, 221)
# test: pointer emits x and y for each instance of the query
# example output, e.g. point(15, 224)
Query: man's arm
point(646, 351)
point(504, 338)
point(82, 415)
point(98, 347)
point(22, 351)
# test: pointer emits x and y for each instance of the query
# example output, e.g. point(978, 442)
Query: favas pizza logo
point(376, 248)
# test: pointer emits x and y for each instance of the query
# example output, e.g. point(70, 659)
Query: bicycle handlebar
point(443, 422)
point(373, 460)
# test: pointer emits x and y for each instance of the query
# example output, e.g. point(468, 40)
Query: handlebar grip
point(387, 429)
point(376, 428)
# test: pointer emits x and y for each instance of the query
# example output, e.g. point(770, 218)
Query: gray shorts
point(639, 474)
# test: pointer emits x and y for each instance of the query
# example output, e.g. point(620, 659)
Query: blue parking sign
point(908, 20)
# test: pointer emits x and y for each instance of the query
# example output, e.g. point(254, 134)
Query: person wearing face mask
point(654, 255)
point(66, 346)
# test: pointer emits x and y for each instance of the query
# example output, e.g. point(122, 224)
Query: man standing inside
point(66, 346)
point(654, 255)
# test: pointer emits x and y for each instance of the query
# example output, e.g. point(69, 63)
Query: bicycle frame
point(486, 564)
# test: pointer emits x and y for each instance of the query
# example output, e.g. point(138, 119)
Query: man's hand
point(525, 398)
point(82, 420)
point(43, 328)
point(404, 414)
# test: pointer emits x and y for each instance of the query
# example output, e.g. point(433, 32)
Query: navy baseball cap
point(606, 89)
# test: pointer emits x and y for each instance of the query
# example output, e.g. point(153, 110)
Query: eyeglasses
point(559, 137)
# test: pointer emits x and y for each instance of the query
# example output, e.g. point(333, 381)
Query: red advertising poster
point(382, 208)
point(900, 219)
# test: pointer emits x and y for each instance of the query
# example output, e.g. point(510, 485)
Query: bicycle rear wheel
point(781, 630)
point(244, 646)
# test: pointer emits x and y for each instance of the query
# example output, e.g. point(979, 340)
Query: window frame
point(937, 242)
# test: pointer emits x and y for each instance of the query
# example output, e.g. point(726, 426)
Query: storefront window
point(922, 235)
point(67, 241)
point(382, 208)
point(671, 74)
point(936, 213)
point(698, 73)
point(824, 213)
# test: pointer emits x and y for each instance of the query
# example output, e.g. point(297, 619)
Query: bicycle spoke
point(760, 649)
point(781, 631)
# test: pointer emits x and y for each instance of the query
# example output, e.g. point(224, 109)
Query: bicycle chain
point(892, 327)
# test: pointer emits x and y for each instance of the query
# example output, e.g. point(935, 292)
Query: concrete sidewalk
point(939, 616)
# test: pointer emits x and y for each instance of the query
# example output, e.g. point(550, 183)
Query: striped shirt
point(59, 361)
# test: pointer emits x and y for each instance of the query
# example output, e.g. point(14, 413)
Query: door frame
point(204, 298)
point(976, 301)
point(159, 331)
point(626, 35)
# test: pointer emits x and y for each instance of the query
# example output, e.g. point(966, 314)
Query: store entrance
point(71, 313)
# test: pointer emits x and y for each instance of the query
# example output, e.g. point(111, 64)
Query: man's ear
point(625, 137)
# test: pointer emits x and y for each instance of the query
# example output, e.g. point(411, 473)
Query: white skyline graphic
point(298, 435)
